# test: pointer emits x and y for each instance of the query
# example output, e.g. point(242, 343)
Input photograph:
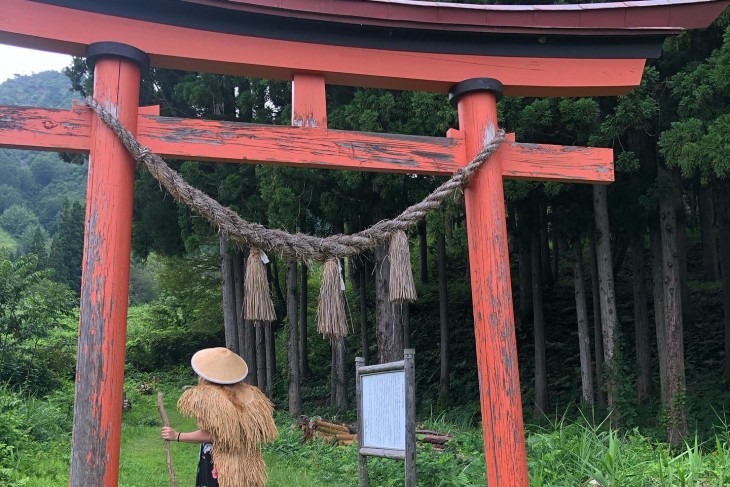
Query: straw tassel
point(331, 318)
point(402, 288)
point(258, 305)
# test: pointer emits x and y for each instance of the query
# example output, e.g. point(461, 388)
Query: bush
point(13, 429)
point(157, 340)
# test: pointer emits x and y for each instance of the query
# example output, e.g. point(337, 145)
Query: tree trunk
point(260, 332)
point(389, 329)
point(723, 199)
point(688, 309)
point(597, 326)
point(405, 310)
point(584, 341)
point(303, 325)
point(444, 379)
point(641, 319)
point(606, 288)
point(246, 334)
point(676, 408)
point(708, 232)
point(364, 332)
point(657, 276)
point(339, 399)
point(295, 399)
point(524, 257)
point(623, 243)
point(541, 387)
point(556, 255)
point(547, 272)
point(270, 358)
point(422, 252)
point(230, 325)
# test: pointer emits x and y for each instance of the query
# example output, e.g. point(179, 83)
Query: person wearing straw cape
point(234, 419)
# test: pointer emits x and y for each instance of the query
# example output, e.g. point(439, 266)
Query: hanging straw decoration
point(331, 318)
point(258, 305)
point(402, 289)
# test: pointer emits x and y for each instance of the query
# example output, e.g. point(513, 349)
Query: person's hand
point(169, 434)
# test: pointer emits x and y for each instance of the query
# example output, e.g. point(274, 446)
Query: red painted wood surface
point(583, 19)
point(105, 283)
point(31, 24)
point(494, 324)
point(309, 105)
point(43, 129)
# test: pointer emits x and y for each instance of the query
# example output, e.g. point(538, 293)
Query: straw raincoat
point(239, 418)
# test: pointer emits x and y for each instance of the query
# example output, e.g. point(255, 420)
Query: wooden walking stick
point(166, 422)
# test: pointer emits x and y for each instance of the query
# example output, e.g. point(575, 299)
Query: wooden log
point(333, 431)
point(434, 439)
point(320, 424)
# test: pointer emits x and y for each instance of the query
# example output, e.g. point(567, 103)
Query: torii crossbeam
point(474, 52)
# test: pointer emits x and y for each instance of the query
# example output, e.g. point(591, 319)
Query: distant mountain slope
point(39, 181)
point(50, 89)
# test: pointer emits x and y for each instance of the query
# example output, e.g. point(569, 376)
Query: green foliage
point(67, 246)
point(34, 351)
point(9, 196)
point(699, 143)
point(7, 242)
point(45, 89)
point(157, 338)
point(16, 219)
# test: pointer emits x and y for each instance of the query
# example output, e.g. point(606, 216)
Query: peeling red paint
point(504, 442)
point(105, 283)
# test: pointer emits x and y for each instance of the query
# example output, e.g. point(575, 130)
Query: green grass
point(560, 454)
point(7, 242)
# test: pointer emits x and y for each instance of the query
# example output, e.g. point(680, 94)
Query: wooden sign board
point(386, 414)
point(384, 410)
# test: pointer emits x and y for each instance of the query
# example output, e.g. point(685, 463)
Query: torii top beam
point(550, 50)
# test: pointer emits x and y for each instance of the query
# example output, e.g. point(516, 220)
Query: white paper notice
point(384, 410)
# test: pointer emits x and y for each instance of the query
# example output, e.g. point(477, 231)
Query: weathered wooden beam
point(48, 27)
point(309, 103)
point(232, 142)
point(558, 163)
point(316, 148)
point(45, 128)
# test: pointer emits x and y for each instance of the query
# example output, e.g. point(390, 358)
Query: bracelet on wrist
point(178, 437)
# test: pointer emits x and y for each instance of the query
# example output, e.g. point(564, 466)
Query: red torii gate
point(546, 50)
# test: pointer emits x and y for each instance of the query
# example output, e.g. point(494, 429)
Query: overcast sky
point(15, 60)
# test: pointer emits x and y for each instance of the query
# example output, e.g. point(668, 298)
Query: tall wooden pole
point(499, 382)
point(105, 278)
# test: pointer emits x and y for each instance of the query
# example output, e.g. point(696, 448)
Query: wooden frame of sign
point(386, 414)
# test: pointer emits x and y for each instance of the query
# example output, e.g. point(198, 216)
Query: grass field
point(561, 454)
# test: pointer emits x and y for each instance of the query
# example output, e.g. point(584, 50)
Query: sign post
point(386, 414)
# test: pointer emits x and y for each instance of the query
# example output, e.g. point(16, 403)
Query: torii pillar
point(494, 322)
point(544, 50)
point(105, 275)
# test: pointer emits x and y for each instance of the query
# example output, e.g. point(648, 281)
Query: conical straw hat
point(219, 365)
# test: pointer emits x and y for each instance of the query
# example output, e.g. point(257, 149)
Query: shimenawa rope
point(296, 245)
point(331, 318)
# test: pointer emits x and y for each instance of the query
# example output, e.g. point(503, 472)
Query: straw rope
point(298, 245)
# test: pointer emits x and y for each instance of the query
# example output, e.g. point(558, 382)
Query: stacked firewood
point(434, 438)
point(342, 434)
point(333, 433)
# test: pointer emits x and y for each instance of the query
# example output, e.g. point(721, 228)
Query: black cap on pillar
point(99, 50)
point(475, 84)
